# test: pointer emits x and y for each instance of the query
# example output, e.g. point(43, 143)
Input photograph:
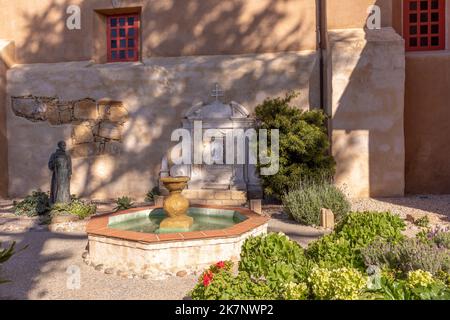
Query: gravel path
point(39, 272)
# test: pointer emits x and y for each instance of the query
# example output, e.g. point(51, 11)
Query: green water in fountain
point(148, 221)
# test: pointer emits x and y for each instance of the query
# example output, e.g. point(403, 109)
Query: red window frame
point(123, 31)
point(424, 24)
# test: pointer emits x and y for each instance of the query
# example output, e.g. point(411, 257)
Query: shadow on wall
point(368, 103)
point(216, 29)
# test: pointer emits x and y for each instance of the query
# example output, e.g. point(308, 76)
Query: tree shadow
point(28, 267)
point(205, 29)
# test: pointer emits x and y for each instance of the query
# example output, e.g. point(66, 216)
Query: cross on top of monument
point(217, 92)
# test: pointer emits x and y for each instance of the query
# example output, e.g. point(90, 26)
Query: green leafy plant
point(6, 254)
point(304, 144)
point(219, 283)
point(337, 284)
point(150, 197)
point(407, 255)
point(124, 203)
point(419, 285)
point(305, 203)
point(423, 222)
point(442, 240)
point(274, 257)
point(36, 204)
point(357, 230)
point(77, 207)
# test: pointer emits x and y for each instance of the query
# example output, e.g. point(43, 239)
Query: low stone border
point(149, 256)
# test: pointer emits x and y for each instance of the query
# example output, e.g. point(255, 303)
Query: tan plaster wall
point(156, 95)
point(169, 28)
point(5, 59)
point(343, 14)
point(367, 105)
point(427, 126)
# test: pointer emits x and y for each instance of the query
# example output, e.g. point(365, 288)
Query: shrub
point(36, 204)
point(123, 203)
point(408, 255)
point(151, 194)
point(338, 284)
point(304, 144)
point(423, 222)
point(442, 240)
point(295, 291)
point(357, 230)
point(273, 257)
point(5, 255)
point(417, 286)
point(218, 283)
point(305, 203)
point(77, 208)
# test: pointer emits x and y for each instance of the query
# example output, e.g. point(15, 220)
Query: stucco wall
point(169, 27)
point(156, 95)
point(367, 103)
point(6, 49)
point(343, 14)
point(427, 126)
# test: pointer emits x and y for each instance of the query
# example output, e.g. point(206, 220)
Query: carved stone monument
point(218, 182)
point(60, 164)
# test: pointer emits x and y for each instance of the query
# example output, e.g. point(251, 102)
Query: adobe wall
point(427, 129)
point(347, 14)
point(169, 28)
point(155, 95)
point(6, 54)
point(367, 104)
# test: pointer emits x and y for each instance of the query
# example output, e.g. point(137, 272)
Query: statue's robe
point(61, 165)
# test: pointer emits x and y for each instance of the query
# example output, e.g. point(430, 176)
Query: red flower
point(207, 278)
point(220, 264)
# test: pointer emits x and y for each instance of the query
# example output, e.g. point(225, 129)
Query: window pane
point(413, 42)
point(434, 4)
point(435, 41)
point(413, 30)
point(424, 29)
point(435, 28)
point(131, 21)
point(114, 33)
point(130, 43)
point(121, 22)
point(113, 22)
point(435, 16)
point(413, 6)
point(114, 55)
point(122, 33)
point(130, 53)
point(413, 18)
point(113, 44)
point(424, 42)
point(424, 17)
point(131, 32)
point(122, 54)
point(424, 5)
point(123, 43)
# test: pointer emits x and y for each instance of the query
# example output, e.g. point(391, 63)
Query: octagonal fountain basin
point(132, 243)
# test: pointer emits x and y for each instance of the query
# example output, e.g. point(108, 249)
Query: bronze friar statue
point(60, 164)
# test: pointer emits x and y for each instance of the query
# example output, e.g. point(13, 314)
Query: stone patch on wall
point(97, 126)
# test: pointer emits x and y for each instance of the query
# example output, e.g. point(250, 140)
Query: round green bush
point(305, 203)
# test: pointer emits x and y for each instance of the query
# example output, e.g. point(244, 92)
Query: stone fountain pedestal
point(176, 205)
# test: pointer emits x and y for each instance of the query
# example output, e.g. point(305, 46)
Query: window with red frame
point(424, 24)
point(123, 38)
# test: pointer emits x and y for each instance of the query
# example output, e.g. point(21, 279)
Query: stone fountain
point(176, 205)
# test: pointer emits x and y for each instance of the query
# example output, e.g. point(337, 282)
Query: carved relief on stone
point(97, 126)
